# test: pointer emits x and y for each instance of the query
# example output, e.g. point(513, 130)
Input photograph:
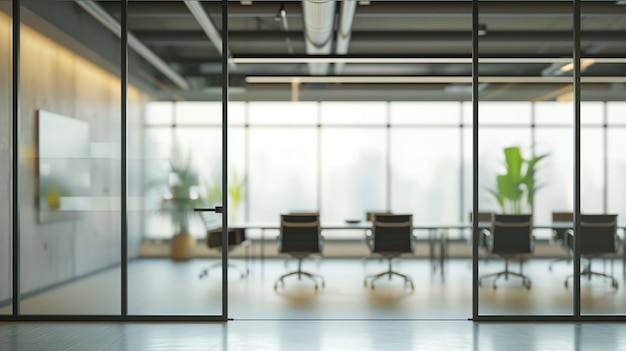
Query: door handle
point(216, 209)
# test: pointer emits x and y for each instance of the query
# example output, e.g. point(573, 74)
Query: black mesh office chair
point(392, 236)
point(598, 237)
point(559, 235)
point(510, 237)
point(300, 236)
point(484, 219)
point(236, 238)
point(369, 217)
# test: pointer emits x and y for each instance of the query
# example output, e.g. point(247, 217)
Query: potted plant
point(515, 189)
point(236, 193)
point(180, 199)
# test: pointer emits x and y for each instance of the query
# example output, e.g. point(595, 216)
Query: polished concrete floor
point(313, 335)
point(164, 287)
point(343, 315)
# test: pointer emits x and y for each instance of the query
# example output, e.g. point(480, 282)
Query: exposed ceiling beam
point(114, 26)
point(187, 38)
point(206, 23)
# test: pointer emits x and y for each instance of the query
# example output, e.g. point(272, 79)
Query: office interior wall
point(6, 111)
point(57, 79)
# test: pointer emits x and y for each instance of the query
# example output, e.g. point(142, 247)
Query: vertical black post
point(16, 157)
point(124, 156)
point(224, 159)
point(576, 91)
point(475, 98)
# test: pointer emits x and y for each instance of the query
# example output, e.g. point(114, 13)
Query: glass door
point(176, 153)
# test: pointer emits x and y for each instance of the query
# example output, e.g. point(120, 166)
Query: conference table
point(438, 237)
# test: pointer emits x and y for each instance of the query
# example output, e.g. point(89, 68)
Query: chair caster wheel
point(480, 284)
point(316, 287)
point(566, 284)
point(494, 287)
point(528, 286)
point(323, 285)
point(372, 287)
point(365, 284)
point(614, 285)
point(275, 286)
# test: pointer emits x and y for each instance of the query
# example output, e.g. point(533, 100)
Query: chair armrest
point(486, 237)
point(369, 237)
point(569, 237)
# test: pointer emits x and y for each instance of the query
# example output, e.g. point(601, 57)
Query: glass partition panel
point(6, 140)
point(70, 220)
point(523, 154)
point(174, 162)
point(603, 94)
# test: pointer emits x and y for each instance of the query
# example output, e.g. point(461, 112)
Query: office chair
point(484, 222)
point(510, 236)
point(559, 235)
point(392, 236)
point(369, 217)
point(315, 257)
point(300, 236)
point(598, 236)
point(236, 238)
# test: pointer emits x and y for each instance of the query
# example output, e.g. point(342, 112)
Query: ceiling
point(428, 43)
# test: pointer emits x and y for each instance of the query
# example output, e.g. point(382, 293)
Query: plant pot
point(181, 246)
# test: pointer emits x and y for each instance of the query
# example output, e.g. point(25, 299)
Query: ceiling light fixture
point(386, 60)
point(316, 59)
point(584, 64)
point(560, 68)
point(425, 79)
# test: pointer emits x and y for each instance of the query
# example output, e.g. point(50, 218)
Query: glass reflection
point(70, 171)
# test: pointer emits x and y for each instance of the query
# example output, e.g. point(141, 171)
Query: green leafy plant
point(236, 192)
point(182, 194)
point(516, 188)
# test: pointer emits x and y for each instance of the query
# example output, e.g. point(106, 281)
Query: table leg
point(431, 248)
point(443, 250)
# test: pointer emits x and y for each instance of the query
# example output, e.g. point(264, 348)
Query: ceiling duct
point(319, 16)
point(345, 31)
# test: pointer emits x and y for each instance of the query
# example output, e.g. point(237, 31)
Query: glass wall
point(6, 116)
point(70, 177)
point(174, 166)
point(602, 160)
point(525, 162)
